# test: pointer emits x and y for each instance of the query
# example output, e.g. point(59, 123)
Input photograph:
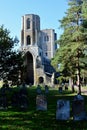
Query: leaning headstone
point(78, 108)
point(41, 102)
point(38, 90)
point(63, 110)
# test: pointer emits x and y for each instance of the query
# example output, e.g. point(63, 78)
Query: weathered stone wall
point(33, 45)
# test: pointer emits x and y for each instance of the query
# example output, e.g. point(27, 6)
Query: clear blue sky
point(50, 11)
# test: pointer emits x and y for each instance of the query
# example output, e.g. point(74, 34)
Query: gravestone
point(41, 102)
point(23, 90)
point(23, 98)
point(78, 108)
point(3, 96)
point(23, 102)
point(60, 89)
point(15, 99)
point(3, 103)
point(63, 110)
point(46, 89)
point(20, 100)
point(38, 90)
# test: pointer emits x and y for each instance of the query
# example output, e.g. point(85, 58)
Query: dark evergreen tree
point(72, 51)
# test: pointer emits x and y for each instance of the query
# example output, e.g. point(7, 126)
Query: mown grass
point(31, 119)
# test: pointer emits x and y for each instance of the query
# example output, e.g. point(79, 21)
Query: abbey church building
point(38, 47)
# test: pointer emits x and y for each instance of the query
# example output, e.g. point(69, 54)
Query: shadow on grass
point(14, 119)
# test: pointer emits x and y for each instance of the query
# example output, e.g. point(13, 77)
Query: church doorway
point(41, 79)
point(29, 69)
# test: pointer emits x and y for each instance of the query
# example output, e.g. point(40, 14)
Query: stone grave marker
point(46, 89)
point(15, 99)
point(78, 108)
point(3, 97)
point(23, 102)
point(20, 100)
point(63, 110)
point(60, 89)
point(41, 102)
point(3, 103)
point(38, 89)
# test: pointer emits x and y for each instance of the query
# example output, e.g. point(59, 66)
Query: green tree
point(10, 60)
point(73, 42)
point(15, 73)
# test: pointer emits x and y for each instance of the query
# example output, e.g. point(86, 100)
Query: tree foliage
point(10, 60)
point(72, 51)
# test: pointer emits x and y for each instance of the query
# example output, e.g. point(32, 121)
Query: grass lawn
point(14, 119)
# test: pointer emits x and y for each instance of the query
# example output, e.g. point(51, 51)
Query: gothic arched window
point(28, 23)
point(28, 40)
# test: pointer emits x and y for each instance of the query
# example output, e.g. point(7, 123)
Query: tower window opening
point(46, 38)
point(28, 40)
point(28, 23)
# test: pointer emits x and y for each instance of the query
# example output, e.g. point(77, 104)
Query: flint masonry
point(38, 47)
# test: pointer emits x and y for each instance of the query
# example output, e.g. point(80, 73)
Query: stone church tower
point(38, 47)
